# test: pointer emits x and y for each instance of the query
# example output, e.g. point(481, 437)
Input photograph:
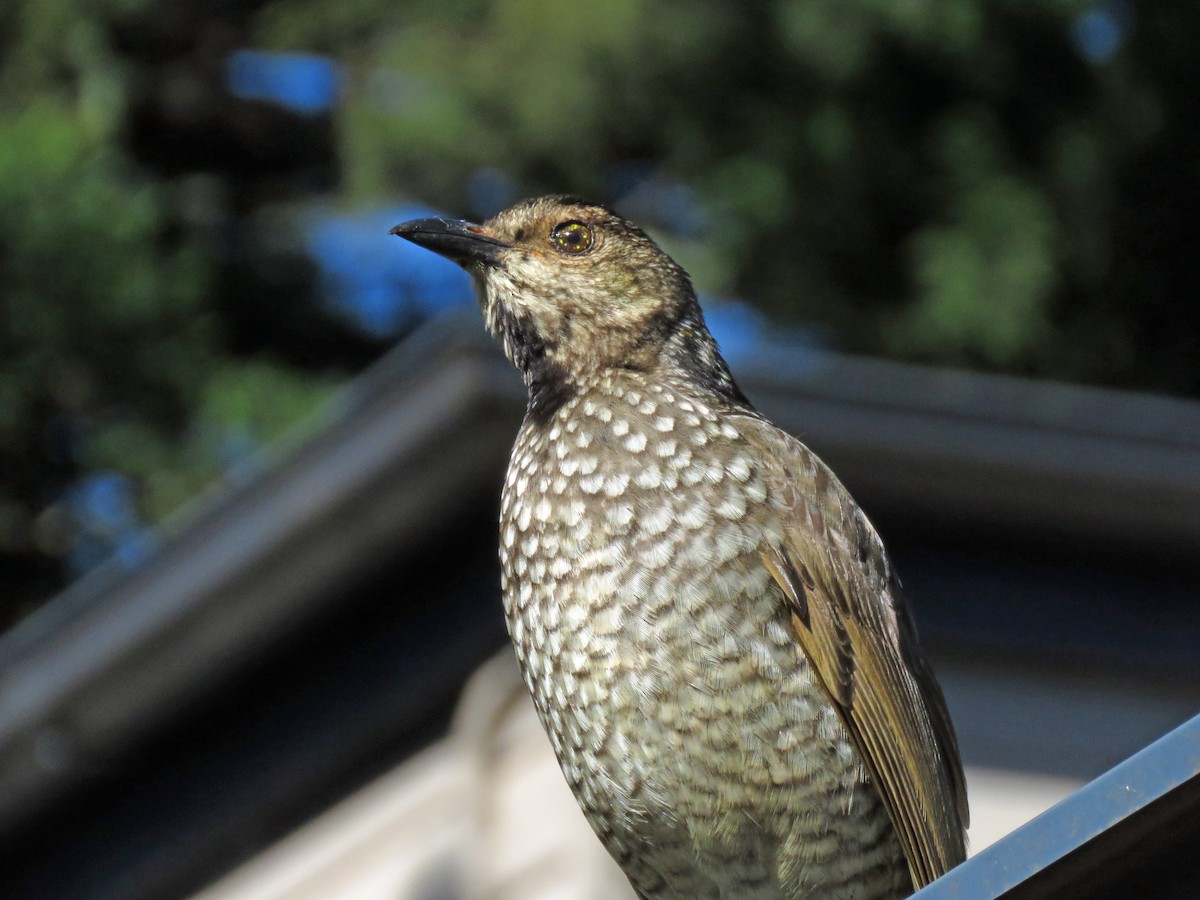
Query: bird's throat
point(548, 381)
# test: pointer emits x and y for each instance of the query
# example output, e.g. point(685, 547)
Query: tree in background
point(1004, 185)
point(126, 384)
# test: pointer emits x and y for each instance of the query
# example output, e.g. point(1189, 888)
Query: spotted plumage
point(709, 626)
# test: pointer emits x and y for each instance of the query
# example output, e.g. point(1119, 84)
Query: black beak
point(454, 239)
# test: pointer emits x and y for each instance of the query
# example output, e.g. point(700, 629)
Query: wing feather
point(854, 626)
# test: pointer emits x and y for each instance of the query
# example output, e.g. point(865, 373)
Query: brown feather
point(855, 629)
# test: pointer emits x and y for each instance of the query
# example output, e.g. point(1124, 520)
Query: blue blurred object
point(383, 285)
point(102, 507)
point(1100, 31)
point(302, 82)
point(489, 191)
point(646, 194)
point(739, 330)
point(750, 341)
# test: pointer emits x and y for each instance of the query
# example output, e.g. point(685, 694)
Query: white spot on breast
point(606, 621)
point(733, 506)
point(756, 492)
point(728, 430)
point(648, 478)
point(636, 442)
point(693, 516)
point(620, 427)
point(591, 483)
point(614, 485)
point(542, 510)
point(664, 424)
point(739, 468)
point(619, 514)
point(657, 555)
point(657, 519)
point(729, 542)
point(597, 587)
point(574, 615)
point(601, 557)
point(665, 448)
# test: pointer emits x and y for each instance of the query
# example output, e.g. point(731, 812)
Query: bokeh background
point(192, 198)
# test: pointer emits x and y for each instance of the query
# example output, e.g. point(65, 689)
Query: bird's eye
point(572, 237)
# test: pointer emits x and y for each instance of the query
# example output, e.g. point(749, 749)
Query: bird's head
point(570, 289)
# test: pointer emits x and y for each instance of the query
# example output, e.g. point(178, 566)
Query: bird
point(712, 632)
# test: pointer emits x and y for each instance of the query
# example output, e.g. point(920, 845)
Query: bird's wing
point(856, 629)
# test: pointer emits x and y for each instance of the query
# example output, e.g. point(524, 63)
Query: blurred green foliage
point(951, 181)
point(967, 182)
point(956, 181)
point(111, 349)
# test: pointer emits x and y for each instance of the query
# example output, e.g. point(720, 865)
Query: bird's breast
point(647, 627)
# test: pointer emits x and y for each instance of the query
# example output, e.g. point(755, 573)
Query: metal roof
point(1131, 832)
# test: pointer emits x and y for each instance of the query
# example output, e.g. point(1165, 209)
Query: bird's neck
point(687, 355)
point(689, 352)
